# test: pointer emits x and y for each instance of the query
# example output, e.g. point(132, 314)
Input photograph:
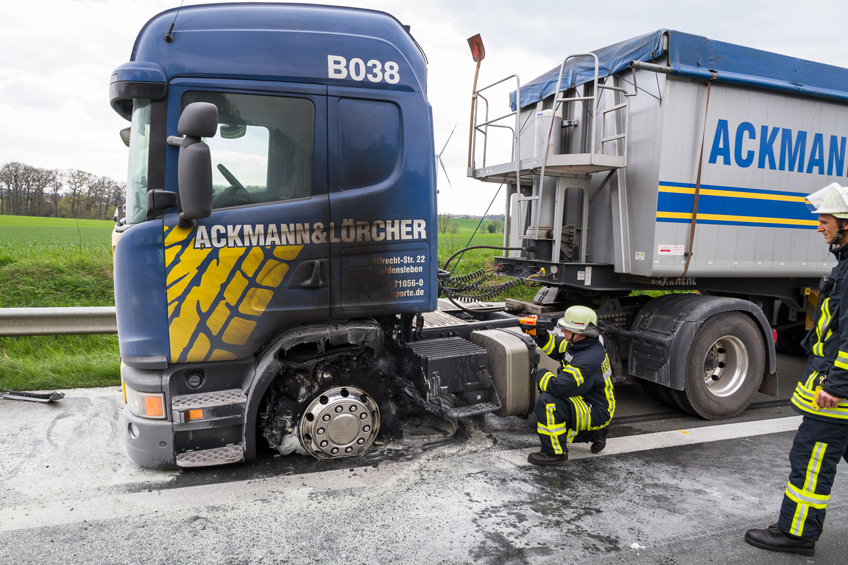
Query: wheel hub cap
point(725, 366)
point(341, 422)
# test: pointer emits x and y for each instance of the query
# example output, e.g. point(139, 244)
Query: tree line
point(448, 225)
point(30, 191)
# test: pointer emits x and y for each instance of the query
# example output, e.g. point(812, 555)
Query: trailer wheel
point(724, 367)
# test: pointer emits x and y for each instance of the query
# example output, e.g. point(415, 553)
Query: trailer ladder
point(599, 151)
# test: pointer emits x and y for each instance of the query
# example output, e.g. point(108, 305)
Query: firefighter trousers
point(817, 449)
point(555, 425)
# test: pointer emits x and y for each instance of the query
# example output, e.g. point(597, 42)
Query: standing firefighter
point(576, 404)
point(822, 438)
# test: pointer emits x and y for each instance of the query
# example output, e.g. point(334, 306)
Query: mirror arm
point(185, 222)
point(157, 202)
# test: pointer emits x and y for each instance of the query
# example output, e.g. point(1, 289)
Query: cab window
point(262, 151)
point(369, 142)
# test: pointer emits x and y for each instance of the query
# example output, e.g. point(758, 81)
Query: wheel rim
point(725, 366)
point(341, 422)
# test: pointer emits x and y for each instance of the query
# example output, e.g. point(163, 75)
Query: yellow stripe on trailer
point(732, 194)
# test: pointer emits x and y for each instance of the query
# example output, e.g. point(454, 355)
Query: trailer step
point(209, 457)
point(208, 399)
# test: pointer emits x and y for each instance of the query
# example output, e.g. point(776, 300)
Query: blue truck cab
point(269, 315)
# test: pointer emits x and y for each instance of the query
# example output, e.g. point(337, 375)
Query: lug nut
point(366, 428)
point(360, 441)
point(320, 431)
point(348, 449)
point(353, 408)
point(326, 418)
point(324, 443)
point(339, 409)
point(334, 450)
point(363, 416)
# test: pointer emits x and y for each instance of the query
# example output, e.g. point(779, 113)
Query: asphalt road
point(668, 489)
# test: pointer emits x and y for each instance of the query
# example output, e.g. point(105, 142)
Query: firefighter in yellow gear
point(821, 397)
point(577, 402)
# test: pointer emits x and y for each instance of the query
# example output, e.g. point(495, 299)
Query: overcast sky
point(56, 57)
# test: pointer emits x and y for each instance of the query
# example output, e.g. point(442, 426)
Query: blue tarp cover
point(697, 57)
point(611, 59)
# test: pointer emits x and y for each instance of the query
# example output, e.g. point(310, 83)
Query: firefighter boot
point(599, 444)
point(542, 458)
point(775, 539)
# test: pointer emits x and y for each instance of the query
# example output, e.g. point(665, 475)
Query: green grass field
point(54, 262)
point(477, 258)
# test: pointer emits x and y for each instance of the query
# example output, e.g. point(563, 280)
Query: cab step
point(209, 457)
point(208, 399)
point(216, 404)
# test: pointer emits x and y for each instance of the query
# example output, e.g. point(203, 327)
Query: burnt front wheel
point(724, 367)
point(341, 422)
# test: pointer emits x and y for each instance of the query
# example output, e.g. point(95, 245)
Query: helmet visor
point(828, 200)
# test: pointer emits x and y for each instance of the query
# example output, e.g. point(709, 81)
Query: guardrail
point(57, 321)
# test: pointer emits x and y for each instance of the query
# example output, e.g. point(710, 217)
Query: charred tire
point(724, 367)
point(303, 394)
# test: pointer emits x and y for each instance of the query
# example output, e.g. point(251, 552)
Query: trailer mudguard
point(666, 327)
point(325, 338)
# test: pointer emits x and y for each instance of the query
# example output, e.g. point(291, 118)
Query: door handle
point(310, 274)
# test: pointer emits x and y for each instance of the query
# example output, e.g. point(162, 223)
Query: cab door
point(259, 263)
point(383, 245)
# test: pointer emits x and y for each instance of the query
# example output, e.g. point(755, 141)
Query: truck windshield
point(139, 154)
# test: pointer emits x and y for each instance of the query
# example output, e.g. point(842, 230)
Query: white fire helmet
point(832, 199)
point(577, 319)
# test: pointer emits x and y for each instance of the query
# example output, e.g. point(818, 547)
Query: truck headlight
point(145, 404)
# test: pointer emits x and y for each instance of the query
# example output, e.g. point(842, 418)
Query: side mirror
point(199, 119)
point(125, 136)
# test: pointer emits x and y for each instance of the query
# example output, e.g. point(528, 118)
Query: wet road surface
point(668, 489)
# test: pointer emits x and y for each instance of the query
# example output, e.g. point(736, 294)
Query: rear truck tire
point(724, 367)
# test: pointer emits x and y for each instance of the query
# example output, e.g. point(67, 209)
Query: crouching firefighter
point(820, 397)
point(577, 403)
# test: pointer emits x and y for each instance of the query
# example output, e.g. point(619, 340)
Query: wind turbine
point(439, 158)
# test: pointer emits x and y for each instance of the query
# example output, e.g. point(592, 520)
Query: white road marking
point(659, 440)
point(293, 488)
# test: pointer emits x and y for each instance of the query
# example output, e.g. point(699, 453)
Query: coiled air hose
point(456, 288)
